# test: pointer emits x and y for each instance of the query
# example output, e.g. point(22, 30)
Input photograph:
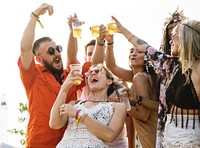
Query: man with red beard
point(43, 81)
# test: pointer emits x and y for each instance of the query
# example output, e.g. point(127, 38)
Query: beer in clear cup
point(77, 70)
point(95, 31)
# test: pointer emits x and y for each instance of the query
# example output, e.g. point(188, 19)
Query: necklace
point(95, 101)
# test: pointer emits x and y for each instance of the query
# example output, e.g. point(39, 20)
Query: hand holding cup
point(77, 68)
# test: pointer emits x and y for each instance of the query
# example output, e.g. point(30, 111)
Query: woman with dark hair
point(92, 122)
point(182, 128)
point(143, 90)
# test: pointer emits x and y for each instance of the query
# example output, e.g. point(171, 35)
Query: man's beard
point(51, 68)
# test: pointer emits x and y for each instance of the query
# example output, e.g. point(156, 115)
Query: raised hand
point(119, 25)
point(102, 32)
point(74, 18)
point(70, 80)
point(43, 8)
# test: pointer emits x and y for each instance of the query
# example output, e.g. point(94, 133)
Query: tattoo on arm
point(139, 41)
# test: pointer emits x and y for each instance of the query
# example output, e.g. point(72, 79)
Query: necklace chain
point(95, 101)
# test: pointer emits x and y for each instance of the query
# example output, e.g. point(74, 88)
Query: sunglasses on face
point(51, 50)
point(95, 70)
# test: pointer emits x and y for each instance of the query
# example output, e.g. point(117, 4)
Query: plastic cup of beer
point(95, 31)
point(77, 28)
point(112, 28)
point(77, 70)
point(124, 99)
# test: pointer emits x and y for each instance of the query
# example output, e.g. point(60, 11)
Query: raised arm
point(27, 40)
point(120, 72)
point(134, 40)
point(72, 45)
point(99, 51)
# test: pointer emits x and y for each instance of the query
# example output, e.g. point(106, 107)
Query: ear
point(109, 81)
point(39, 59)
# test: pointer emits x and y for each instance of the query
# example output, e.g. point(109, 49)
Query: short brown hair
point(91, 42)
point(38, 42)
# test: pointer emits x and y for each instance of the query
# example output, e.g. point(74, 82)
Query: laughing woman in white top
point(93, 122)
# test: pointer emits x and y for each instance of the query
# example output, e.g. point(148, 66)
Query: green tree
point(23, 109)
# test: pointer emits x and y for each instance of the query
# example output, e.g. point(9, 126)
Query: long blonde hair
point(189, 44)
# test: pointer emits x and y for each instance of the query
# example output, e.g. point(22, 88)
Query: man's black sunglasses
point(51, 50)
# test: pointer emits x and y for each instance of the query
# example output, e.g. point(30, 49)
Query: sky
point(144, 18)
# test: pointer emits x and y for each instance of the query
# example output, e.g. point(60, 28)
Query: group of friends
point(164, 92)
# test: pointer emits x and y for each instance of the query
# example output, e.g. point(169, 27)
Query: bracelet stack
point(101, 43)
point(80, 117)
point(33, 15)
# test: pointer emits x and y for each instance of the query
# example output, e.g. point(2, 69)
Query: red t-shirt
point(42, 89)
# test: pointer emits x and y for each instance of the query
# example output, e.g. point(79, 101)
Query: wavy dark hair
point(149, 68)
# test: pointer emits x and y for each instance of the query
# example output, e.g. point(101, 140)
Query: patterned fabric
point(81, 136)
point(165, 66)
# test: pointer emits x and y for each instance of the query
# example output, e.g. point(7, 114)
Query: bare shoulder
point(141, 77)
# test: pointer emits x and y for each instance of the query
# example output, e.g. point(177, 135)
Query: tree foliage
point(23, 109)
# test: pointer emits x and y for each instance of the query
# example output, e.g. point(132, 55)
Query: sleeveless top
point(183, 96)
point(81, 136)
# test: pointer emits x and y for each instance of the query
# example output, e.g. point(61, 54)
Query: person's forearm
point(134, 40)
point(99, 52)
point(56, 120)
point(110, 58)
point(27, 40)
point(112, 130)
point(100, 130)
point(120, 72)
point(72, 49)
point(152, 105)
point(139, 113)
point(28, 36)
